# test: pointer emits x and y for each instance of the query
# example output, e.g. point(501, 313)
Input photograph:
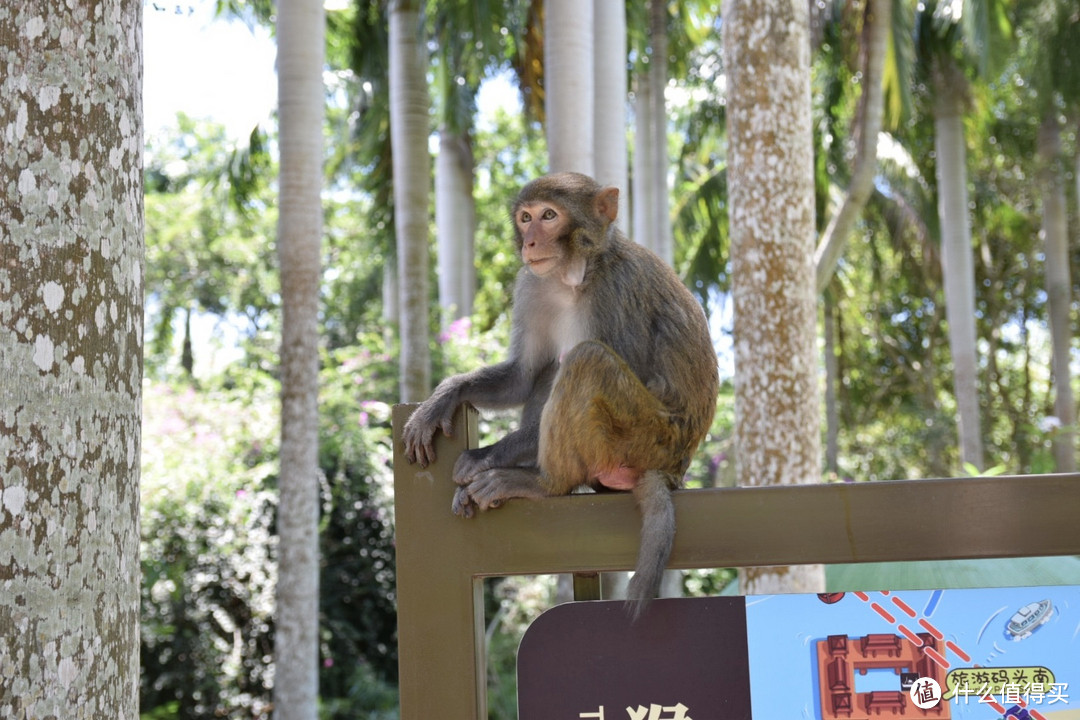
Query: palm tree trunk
point(455, 218)
point(187, 353)
point(568, 70)
point(300, 27)
point(832, 412)
point(569, 105)
point(409, 129)
point(610, 104)
point(663, 243)
point(777, 415)
point(1058, 287)
point(956, 259)
point(878, 19)
point(875, 41)
point(391, 299)
point(651, 214)
point(644, 205)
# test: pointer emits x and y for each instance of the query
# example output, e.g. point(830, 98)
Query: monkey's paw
point(419, 431)
point(470, 464)
point(489, 489)
point(464, 505)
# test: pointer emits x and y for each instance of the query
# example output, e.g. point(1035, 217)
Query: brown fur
point(610, 356)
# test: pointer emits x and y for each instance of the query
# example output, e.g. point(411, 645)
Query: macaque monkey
point(611, 359)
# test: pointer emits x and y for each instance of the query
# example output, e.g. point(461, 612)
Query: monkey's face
point(541, 227)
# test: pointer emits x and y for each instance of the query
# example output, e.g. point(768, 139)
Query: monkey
point(610, 360)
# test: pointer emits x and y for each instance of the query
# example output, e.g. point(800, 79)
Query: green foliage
point(714, 463)
point(207, 550)
point(358, 623)
point(209, 546)
point(710, 582)
point(509, 153)
point(511, 604)
point(367, 697)
point(208, 218)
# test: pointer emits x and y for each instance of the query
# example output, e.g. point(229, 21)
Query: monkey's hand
point(436, 413)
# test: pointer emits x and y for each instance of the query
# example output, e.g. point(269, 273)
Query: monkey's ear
point(607, 203)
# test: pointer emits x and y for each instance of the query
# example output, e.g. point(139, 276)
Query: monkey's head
point(560, 222)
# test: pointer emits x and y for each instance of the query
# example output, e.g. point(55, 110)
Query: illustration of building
point(840, 658)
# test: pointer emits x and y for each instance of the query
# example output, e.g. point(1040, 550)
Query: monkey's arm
point(517, 448)
point(506, 384)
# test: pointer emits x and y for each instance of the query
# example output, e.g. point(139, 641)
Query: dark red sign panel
point(684, 659)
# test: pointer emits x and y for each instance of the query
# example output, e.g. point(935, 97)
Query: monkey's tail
point(653, 495)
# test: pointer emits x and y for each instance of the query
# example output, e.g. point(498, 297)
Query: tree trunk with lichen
point(770, 177)
point(71, 313)
point(300, 109)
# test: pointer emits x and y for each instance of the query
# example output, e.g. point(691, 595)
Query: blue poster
point(982, 654)
point(978, 654)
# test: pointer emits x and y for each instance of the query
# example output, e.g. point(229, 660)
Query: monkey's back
point(642, 310)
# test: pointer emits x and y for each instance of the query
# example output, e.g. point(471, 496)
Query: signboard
point(587, 660)
point(982, 654)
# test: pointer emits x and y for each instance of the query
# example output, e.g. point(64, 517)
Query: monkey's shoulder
point(626, 260)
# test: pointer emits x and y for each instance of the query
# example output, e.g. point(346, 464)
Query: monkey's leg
point(517, 448)
point(504, 385)
point(602, 424)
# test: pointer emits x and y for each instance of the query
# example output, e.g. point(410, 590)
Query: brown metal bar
point(441, 650)
point(439, 556)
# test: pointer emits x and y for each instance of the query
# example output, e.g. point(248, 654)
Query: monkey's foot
point(464, 505)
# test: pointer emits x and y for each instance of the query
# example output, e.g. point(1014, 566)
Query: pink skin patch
point(621, 478)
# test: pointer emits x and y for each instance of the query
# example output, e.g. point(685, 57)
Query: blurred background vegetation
point(211, 391)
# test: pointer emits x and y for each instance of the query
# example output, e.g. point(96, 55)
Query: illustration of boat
point(1027, 619)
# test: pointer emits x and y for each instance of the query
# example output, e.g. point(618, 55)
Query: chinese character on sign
point(656, 712)
point(1057, 693)
point(598, 715)
point(963, 690)
point(1011, 693)
point(925, 693)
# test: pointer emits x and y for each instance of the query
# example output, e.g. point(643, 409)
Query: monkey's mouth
point(540, 265)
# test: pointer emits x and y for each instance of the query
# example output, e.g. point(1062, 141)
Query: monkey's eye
point(525, 217)
point(549, 214)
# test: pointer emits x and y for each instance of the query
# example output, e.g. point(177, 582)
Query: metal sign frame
point(442, 559)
